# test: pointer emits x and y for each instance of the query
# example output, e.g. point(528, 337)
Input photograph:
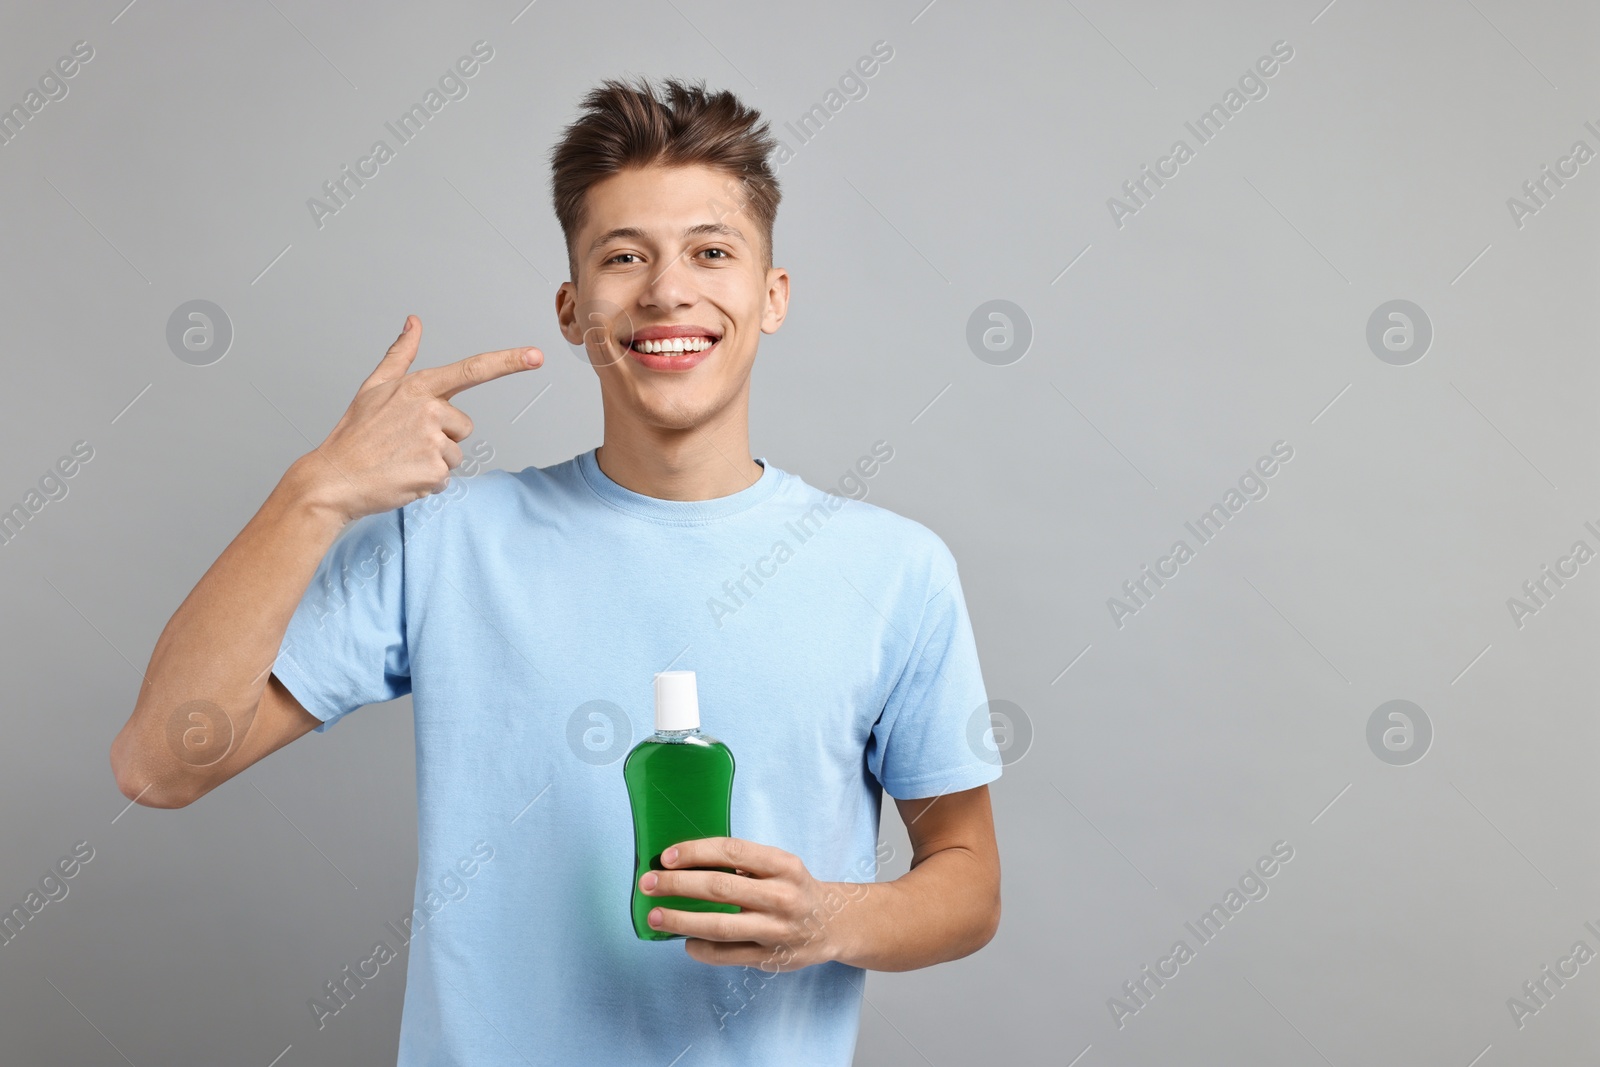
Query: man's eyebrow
point(633, 233)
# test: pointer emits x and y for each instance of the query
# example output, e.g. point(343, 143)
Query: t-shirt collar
point(680, 512)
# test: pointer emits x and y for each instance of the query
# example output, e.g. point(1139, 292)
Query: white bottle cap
point(677, 701)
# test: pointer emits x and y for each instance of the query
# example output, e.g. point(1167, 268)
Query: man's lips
point(659, 339)
point(671, 361)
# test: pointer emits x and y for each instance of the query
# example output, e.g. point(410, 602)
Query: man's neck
point(694, 464)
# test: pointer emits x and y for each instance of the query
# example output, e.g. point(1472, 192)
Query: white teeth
point(676, 344)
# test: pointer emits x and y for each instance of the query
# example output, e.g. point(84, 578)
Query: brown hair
point(634, 125)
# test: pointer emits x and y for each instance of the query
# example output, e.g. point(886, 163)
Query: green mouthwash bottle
point(680, 785)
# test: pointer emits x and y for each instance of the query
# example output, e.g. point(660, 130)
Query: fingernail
point(655, 916)
point(528, 357)
point(670, 856)
point(407, 325)
point(648, 882)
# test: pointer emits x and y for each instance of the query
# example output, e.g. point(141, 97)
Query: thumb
point(397, 361)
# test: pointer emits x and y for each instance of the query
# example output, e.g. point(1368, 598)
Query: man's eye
point(720, 252)
point(619, 255)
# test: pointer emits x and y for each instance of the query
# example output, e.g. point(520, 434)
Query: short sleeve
point(346, 642)
point(933, 736)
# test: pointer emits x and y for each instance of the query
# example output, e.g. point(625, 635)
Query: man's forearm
point(944, 908)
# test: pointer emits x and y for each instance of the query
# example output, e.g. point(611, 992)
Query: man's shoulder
point(477, 493)
point(889, 533)
point(551, 477)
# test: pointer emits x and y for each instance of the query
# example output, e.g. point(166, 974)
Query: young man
point(526, 613)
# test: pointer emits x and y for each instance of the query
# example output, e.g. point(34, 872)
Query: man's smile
point(672, 347)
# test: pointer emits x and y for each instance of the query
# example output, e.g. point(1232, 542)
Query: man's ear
point(777, 308)
point(567, 313)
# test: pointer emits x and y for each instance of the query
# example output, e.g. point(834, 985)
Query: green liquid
point(679, 791)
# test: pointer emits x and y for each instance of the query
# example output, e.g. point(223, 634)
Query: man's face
point(670, 251)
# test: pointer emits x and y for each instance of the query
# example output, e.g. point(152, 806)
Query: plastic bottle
point(680, 786)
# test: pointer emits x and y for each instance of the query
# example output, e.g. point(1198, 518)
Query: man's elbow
point(982, 926)
point(991, 921)
point(141, 787)
point(984, 910)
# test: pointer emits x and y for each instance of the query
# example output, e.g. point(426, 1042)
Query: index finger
point(446, 381)
point(761, 861)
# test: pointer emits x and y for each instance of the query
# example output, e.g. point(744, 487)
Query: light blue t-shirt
point(527, 613)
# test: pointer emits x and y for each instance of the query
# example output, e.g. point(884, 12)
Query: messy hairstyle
point(634, 124)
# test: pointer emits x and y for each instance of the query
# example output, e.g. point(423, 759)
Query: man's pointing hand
point(400, 437)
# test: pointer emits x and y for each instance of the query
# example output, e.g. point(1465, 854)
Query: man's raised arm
point(210, 705)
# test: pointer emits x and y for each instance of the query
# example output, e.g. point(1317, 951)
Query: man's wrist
point(843, 939)
point(304, 491)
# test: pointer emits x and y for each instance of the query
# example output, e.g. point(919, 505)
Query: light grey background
point(1168, 355)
